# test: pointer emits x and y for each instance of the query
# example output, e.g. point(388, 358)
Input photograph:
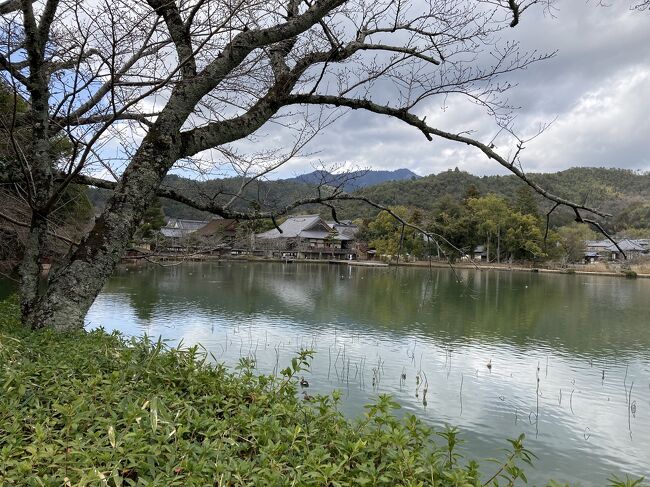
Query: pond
point(569, 355)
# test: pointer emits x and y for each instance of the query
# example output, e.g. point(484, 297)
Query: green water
point(587, 339)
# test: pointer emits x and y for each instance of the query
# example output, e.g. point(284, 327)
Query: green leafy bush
point(98, 409)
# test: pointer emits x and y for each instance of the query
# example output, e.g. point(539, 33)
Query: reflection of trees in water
point(585, 314)
point(142, 285)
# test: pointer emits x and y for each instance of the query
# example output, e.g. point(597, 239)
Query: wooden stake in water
point(329, 363)
point(629, 409)
point(460, 393)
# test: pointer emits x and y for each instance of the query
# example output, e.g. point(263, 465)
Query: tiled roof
point(177, 227)
point(292, 227)
point(598, 243)
point(219, 226)
point(626, 246)
point(345, 230)
point(313, 226)
point(190, 225)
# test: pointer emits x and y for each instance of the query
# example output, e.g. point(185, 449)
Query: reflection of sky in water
point(406, 320)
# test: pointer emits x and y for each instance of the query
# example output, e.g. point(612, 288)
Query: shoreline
point(423, 264)
point(515, 268)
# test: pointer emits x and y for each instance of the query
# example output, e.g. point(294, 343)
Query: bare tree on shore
point(115, 94)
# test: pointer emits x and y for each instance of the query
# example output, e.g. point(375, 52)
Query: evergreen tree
point(152, 221)
point(525, 202)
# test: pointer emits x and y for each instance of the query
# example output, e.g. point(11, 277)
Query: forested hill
point(624, 193)
point(621, 192)
point(598, 186)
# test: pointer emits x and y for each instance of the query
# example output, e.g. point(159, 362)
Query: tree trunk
point(30, 267)
point(73, 288)
point(498, 245)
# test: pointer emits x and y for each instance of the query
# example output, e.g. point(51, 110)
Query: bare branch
point(18, 223)
point(179, 32)
point(404, 50)
point(10, 6)
point(13, 70)
point(428, 131)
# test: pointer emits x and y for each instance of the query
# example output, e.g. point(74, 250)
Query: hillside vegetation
point(623, 193)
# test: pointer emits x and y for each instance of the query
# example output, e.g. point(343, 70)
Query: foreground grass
point(96, 409)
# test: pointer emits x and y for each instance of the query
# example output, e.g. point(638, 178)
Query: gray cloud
point(596, 88)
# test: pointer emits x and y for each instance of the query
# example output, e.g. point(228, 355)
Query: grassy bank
point(97, 409)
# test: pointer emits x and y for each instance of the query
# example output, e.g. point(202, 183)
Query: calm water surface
point(586, 338)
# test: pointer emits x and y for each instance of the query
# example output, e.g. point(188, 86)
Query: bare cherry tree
point(135, 89)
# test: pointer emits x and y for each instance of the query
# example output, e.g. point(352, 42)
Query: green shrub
point(97, 409)
point(630, 274)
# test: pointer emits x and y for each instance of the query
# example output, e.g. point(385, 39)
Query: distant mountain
point(354, 180)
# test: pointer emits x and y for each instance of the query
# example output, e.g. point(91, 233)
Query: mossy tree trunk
point(73, 288)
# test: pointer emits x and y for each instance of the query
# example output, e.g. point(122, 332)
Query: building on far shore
point(631, 248)
point(223, 229)
point(598, 250)
point(179, 227)
point(309, 237)
point(480, 253)
point(177, 231)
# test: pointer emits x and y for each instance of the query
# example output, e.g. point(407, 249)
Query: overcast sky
point(596, 88)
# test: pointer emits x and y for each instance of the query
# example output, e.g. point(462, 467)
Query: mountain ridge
point(354, 180)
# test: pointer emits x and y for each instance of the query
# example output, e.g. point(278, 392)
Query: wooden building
point(309, 237)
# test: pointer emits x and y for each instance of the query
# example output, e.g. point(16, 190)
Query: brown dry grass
point(641, 267)
point(599, 267)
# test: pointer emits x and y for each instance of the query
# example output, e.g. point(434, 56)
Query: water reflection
point(365, 323)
